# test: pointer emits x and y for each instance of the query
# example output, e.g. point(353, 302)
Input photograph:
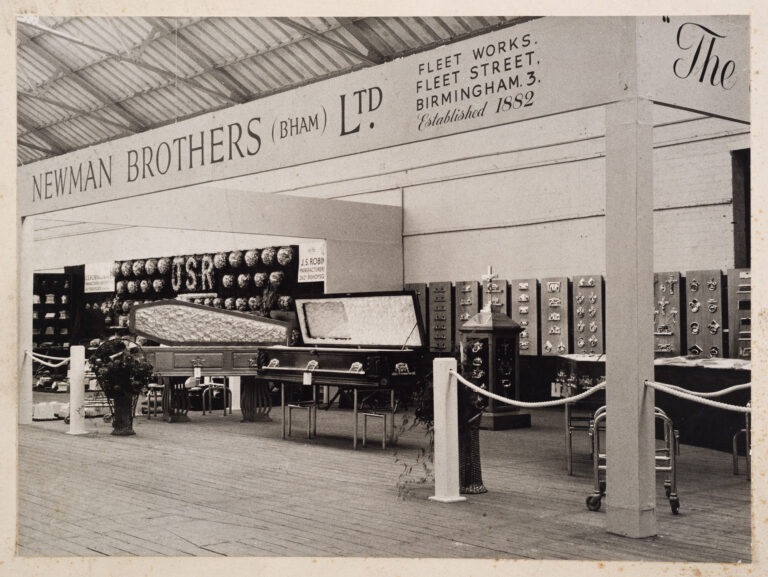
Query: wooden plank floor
point(216, 486)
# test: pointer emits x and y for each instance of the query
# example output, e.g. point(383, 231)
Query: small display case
point(524, 310)
point(704, 308)
point(52, 314)
point(440, 317)
point(668, 314)
point(740, 313)
point(554, 316)
point(587, 315)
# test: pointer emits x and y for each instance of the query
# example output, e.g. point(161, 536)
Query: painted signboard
point(537, 68)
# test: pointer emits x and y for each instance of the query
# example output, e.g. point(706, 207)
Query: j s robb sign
point(540, 67)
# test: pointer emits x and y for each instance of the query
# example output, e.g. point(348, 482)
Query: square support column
point(26, 287)
point(631, 476)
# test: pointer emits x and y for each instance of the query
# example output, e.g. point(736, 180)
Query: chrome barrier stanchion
point(446, 407)
point(77, 391)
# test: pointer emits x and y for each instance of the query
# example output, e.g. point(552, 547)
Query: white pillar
point(631, 485)
point(26, 288)
point(234, 387)
point(446, 408)
point(77, 391)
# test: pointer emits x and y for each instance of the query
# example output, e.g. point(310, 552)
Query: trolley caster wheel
point(594, 502)
point(674, 504)
point(66, 420)
point(107, 418)
point(602, 487)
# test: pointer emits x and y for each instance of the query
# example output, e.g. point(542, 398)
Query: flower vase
point(122, 417)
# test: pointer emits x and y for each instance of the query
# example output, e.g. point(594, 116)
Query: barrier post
point(77, 391)
point(446, 408)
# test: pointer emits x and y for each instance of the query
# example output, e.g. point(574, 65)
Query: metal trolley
point(666, 460)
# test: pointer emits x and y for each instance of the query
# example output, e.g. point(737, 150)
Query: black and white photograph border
point(352, 290)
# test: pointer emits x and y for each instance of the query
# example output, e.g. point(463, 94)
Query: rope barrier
point(526, 405)
point(37, 358)
point(42, 356)
point(664, 388)
point(712, 394)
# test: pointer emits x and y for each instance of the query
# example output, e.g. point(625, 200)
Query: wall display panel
point(420, 289)
point(495, 291)
point(587, 314)
point(740, 313)
point(554, 316)
point(440, 317)
point(52, 315)
point(467, 303)
point(524, 309)
point(668, 314)
point(704, 308)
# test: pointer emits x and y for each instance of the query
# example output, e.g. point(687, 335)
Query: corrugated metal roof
point(82, 81)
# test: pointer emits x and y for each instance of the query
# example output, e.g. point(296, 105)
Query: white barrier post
point(76, 391)
point(446, 407)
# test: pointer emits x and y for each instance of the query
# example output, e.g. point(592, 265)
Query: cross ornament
point(490, 275)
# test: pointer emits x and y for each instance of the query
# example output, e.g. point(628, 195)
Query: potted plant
point(122, 373)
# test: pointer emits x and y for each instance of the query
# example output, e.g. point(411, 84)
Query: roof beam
point(351, 26)
point(323, 38)
point(26, 144)
point(57, 147)
point(135, 123)
point(157, 70)
point(208, 65)
point(96, 114)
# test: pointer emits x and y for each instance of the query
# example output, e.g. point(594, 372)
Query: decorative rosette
point(228, 280)
point(158, 285)
point(120, 287)
point(254, 303)
point(218, 303)
point(252, 258)
point(208, 302)
point(229, 304)
point(285, 255)
point(115, 269)
point(260, 279)
point(276, 278)
point(198, 301)
point(285, 302)
point(126, 268)
point(268, 256)
point(241, 304)
point(243, 280)
point(133, 286)
point(144, 285)
point(164, 265)
point(138, 268)
point(151, 266)
point(127, 306)
point(235, 259)
point(220, 260)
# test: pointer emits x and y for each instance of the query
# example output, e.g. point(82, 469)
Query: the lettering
point(69, 179)
point(373, 102)
point(707, 66)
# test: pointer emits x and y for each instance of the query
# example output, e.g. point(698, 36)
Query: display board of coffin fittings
point(668, 314)
point(495, 291)
point(587, 314)
point(467, 303)
point(420, 289)
point(740, 313)
point(555, 316)
point(524, 310)
point(440, 317)
point(704, 318)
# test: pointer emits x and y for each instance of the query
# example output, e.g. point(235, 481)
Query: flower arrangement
point(120, 367)
point(122, 372)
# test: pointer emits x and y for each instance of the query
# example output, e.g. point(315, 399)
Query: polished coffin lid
point(377, 320)
point(174, 322)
